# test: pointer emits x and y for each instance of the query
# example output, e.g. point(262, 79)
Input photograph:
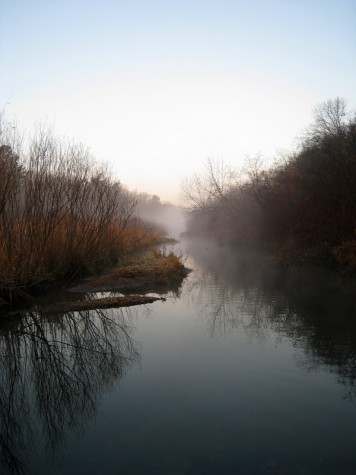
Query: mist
point(169, 218)
point(302, 208)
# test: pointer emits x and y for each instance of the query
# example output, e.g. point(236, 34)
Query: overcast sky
point(156, 87)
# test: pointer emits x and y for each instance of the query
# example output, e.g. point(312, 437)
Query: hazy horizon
point(155, 88)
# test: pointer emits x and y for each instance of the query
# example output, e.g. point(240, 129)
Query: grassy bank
point(157, 267)
point(127, 285)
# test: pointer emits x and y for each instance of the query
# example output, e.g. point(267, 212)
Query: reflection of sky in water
point(239, 375)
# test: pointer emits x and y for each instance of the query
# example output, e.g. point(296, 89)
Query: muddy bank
point(107, 302)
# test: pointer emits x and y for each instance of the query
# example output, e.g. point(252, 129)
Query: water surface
point(246, 369)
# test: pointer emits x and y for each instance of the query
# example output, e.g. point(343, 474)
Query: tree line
point(303, 206)
point(61, 214)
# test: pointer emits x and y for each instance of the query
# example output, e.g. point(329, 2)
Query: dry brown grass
point(157, 266)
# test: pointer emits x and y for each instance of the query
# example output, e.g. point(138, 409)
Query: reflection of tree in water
point(313, 309)
point(53, 371)
point(225, 306)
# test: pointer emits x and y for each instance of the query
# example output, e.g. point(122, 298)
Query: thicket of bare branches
point(61, 214)
point(305, 203)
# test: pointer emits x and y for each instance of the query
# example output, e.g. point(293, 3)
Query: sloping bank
point(156, 272)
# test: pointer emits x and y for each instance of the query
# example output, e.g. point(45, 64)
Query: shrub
point(61, 214)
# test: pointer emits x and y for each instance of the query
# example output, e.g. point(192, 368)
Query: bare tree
point(61, 213)
point(210, 189)
point(330, 119)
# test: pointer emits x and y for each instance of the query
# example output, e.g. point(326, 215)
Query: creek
point(246, 368)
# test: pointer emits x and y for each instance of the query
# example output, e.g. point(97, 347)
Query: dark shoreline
point(132, 282)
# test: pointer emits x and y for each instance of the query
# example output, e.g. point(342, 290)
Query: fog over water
point(169, 217)
point(245, 368)
point(172, 219)
point(230, 126)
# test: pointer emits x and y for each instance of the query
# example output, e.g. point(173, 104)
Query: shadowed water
point(246, 369)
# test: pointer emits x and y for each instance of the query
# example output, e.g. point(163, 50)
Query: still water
point(245, 369)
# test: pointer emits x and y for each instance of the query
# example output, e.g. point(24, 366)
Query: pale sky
point(156, 87)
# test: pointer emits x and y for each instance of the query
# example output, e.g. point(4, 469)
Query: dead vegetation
point(156, 266)
point(62, 215)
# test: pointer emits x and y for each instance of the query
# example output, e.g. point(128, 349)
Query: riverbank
point(63, 216)
point(302, 207)
point(155, 272)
